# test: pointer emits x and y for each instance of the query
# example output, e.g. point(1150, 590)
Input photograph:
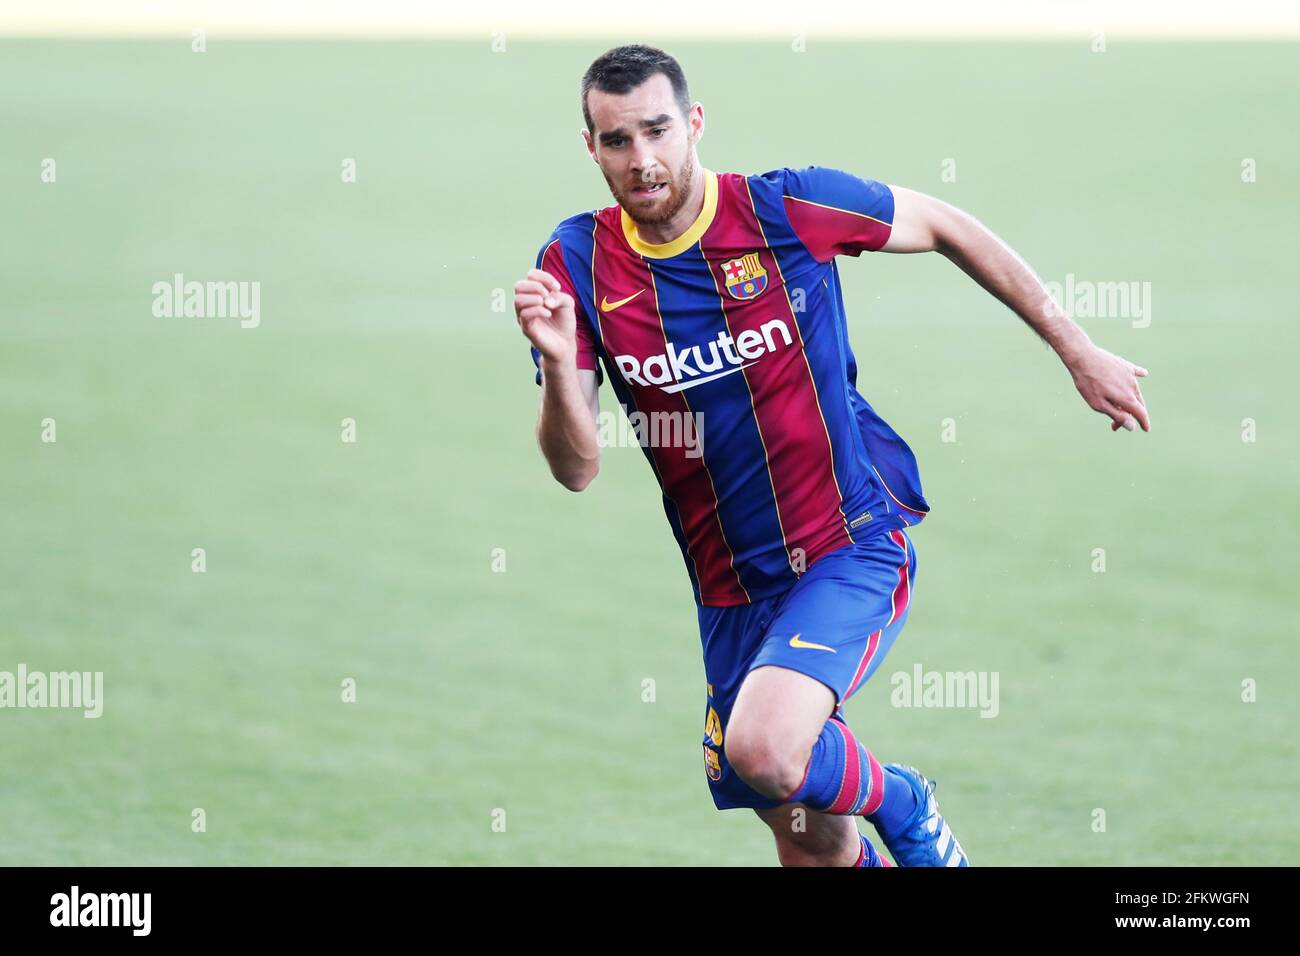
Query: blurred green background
point(522, 690)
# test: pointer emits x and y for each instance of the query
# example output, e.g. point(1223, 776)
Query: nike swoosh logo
point(795, 642)
point(607, 306)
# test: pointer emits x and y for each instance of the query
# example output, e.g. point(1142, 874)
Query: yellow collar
point(687, 239)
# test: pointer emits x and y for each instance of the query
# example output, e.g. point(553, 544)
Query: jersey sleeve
point(551, 259)
point(835, 213)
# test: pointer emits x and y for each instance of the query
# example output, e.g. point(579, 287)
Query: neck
point(662, 232)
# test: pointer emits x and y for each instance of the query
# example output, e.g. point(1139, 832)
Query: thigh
point(781, 710)
point(731, 637)
point(839, 621)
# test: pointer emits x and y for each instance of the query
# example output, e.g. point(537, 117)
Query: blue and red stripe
point(783, 394)
point(637, 328)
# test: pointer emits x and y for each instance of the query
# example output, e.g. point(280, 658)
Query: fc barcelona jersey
point(739, 323)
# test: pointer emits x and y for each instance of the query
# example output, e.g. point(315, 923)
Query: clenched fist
point(546, 315)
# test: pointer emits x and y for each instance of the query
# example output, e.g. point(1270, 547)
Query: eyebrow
point(659, 120)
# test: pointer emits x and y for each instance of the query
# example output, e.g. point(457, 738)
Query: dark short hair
point(624, 68)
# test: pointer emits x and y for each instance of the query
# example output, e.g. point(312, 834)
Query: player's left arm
point(1107, 382)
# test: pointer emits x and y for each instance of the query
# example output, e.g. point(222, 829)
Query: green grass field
point(522, 690)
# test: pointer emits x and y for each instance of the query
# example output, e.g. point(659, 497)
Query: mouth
point(645, 190)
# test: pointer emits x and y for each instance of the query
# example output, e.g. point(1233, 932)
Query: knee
point(772, 767)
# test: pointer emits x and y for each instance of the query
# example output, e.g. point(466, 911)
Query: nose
point(643, 162)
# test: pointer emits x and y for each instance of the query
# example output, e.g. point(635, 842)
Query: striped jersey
point(737, 328)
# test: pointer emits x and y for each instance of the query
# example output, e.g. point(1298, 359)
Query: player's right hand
point(546, 315)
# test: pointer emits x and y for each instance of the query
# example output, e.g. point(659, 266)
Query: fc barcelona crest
point(746, 277)
point(712, 766)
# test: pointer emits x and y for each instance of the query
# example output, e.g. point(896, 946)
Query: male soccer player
point(717, 295)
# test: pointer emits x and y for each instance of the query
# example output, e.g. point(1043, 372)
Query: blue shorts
point(835, 624)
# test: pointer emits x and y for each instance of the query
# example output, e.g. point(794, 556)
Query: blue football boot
point(924, 840)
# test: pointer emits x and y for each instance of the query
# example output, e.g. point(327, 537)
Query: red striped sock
point(867, 855)
point(842, 776)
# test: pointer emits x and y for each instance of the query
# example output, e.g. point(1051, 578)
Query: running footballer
point(718, 295)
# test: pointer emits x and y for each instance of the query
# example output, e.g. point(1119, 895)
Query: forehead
point(653, 98)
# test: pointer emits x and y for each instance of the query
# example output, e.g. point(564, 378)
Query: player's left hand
point(1109, 385)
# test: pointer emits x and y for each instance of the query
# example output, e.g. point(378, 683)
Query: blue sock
point(897, 806)
point(842, 777)
point(869, 855)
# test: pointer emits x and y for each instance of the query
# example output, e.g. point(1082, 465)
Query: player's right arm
point(566, 422)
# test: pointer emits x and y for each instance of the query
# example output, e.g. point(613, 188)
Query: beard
point(673, 196)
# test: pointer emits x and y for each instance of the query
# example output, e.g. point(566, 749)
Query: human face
point(646, 151)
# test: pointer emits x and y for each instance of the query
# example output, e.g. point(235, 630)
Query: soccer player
point(715, 298)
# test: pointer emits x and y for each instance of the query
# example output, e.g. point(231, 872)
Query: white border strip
point(666, 19)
